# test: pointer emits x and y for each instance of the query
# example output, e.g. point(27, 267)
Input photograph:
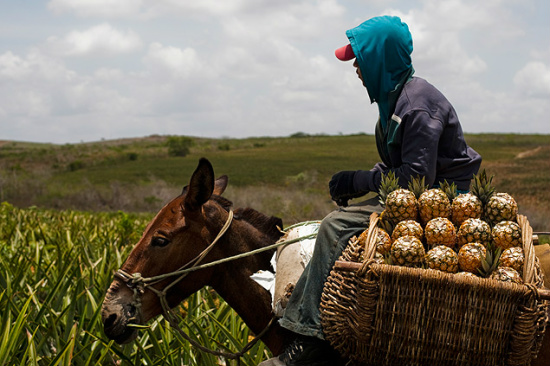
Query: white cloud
point(103, 8)
point(176, 62)
point(534, 80)
point(258, 67)
point(102, 39)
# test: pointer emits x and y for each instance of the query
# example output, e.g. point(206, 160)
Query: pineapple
point(407, 227)
point(465, 206)
point(383, 240)
point(497, 207)
point(506, 234)
point(440, 231)
point(513, 258)
point(433, 203)
point(385, 223)
point(506, 274)
point(467, 274)
point(501, 207)
point(474, 231)
point(442, 258)
point(407, 251)
point(400, 204)
point(470, 257)
point(378, 258)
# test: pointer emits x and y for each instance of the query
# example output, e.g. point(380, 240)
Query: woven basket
point(380, 314)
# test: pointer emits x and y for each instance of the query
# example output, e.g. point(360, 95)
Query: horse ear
point(201, 186)
point(220, 185)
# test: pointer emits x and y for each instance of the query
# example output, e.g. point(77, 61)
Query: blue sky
point(86, 70)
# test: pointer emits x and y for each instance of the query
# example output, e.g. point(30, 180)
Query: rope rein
point(139, 284)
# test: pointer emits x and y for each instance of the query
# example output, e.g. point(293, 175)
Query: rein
point(139, 284)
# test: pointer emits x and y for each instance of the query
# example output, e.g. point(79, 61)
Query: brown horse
point(179, 232)
point(177, 235)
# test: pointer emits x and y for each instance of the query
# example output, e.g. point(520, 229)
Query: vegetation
point(57, 257)
point(55, 267)
point(285, 176)
point(179, 145)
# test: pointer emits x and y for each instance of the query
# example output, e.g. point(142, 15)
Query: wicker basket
point(389, 315)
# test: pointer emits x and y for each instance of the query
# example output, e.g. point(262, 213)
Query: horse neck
point(232, 281)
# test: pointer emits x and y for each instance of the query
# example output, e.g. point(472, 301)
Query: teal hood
point(383, 47)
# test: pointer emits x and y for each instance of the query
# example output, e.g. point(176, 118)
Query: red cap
point(345, 53)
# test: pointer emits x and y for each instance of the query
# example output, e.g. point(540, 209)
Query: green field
point(71, 213)
point(286, 176)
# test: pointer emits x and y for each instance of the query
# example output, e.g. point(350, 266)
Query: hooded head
point(382, 47)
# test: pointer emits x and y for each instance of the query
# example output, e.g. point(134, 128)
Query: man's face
point(358, 71)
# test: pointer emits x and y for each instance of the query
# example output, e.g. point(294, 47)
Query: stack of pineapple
point(473, 233)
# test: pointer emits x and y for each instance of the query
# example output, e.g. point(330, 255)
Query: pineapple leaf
point(490, 262)
point(388, 184)
point(482, 187)
point(418, 186)
point(450, 189)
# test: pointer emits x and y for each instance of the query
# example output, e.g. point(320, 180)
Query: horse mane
point(269, 225)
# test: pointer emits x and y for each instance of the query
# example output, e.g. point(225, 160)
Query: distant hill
point(284, 176)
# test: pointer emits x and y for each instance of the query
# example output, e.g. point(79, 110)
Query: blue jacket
point(418, 132)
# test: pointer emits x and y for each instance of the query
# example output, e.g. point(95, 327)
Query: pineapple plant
point(440, 231)
point(407, 251)
point(470, 257)
point(506, 234)
point(501, 207)
point(512, 258)
point(506, 274)
point(442, 258)
point(407, 227)
point(400, 204)
point(474, 231)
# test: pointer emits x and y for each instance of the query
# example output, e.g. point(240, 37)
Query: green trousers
point(302, 314)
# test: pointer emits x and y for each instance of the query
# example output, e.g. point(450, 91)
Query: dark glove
point(341, 187)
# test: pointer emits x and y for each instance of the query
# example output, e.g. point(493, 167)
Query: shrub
point(179, 145)
point(76, 165)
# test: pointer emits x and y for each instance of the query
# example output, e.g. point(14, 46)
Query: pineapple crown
point(388, 184)
point(482, 187)
point(418, 186)
point(490, 262)
point(450, 189)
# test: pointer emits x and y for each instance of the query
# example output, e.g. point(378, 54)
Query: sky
point(88, 70)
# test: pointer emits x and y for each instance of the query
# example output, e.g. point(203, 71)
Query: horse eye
point(159, 241)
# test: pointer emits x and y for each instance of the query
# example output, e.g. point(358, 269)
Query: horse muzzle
point(118, 315)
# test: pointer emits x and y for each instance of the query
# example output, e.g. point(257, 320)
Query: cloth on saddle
point(288, 263)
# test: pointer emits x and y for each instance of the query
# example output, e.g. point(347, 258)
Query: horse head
point(179, 237)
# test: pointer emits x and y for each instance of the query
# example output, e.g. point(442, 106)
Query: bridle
point(138, 284)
